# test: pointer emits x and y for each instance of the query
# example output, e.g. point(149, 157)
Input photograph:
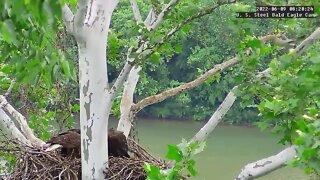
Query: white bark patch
point(93, 108)
point(267, 165)
point(126, 117)
point(7, 125)
point(21, 122)
point(216, 117)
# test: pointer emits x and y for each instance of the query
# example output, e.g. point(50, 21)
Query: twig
point(10, 88)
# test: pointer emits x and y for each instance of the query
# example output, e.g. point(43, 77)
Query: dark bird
point(70, 143)
point(117, 146)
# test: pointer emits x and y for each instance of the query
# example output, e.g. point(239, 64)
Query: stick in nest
point(37, 164)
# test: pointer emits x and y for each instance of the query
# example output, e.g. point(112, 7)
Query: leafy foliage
point(289, 102)
point(183, 164)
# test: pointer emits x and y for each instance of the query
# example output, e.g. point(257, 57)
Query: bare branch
point(150, 18)
point(125, 122)
point(217, 116)
point(10, 88)
point(184, 87)
point(267, 165)
point(8, 126)
point(25, 129)
point(278, 40)
point(163, 13)
point(121, 78)
point(302, 47)
point(305, 44)
point(187, 86)
point(136, 11)
point(124, 72)
point(68, 18)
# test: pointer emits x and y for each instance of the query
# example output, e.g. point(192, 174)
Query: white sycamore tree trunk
point(90, 28)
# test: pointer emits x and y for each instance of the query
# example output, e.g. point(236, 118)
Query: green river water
point(228, 147)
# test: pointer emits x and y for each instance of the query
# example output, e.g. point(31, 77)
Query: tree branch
point(216, 69)
point(7, 125)
point(68, 18)
point(155, 24)
point(184, 87)
point(124, 72)
point(10, 88)
point(305, 44)
point(267, 165)
point(97, 11)
point(302, 47)
point(80, 15)
point(136, 11)
point(25, 129)
point(121, 78)
point(216, 117)
point(203, 12)
point(125, 122)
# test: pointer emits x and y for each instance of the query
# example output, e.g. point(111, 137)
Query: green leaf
point(155, 58)
point(8, 33)
point(256, 43)
point(199, 148)
point(152, 171)
point(76, 108)
point(191, 168)
point(66, 68)
point(174, 153)
point(178, 48)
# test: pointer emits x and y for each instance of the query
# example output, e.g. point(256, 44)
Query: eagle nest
point(36, 164)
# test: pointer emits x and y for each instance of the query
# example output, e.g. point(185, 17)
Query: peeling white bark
point(136, 11)
point(216, 117)
point(150, 18)
point(267, 165)
point(121, 78)
point(125, 122)
point(68, 18)
point(94, 107)
point(8, 126)
point(306, 43)
point(22, 122)
point(92, 23)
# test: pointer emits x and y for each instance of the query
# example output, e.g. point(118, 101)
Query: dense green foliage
point(290, 102)
point(34, 54)
point(288, 98)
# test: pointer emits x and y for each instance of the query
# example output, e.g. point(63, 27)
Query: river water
point(228, 147)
